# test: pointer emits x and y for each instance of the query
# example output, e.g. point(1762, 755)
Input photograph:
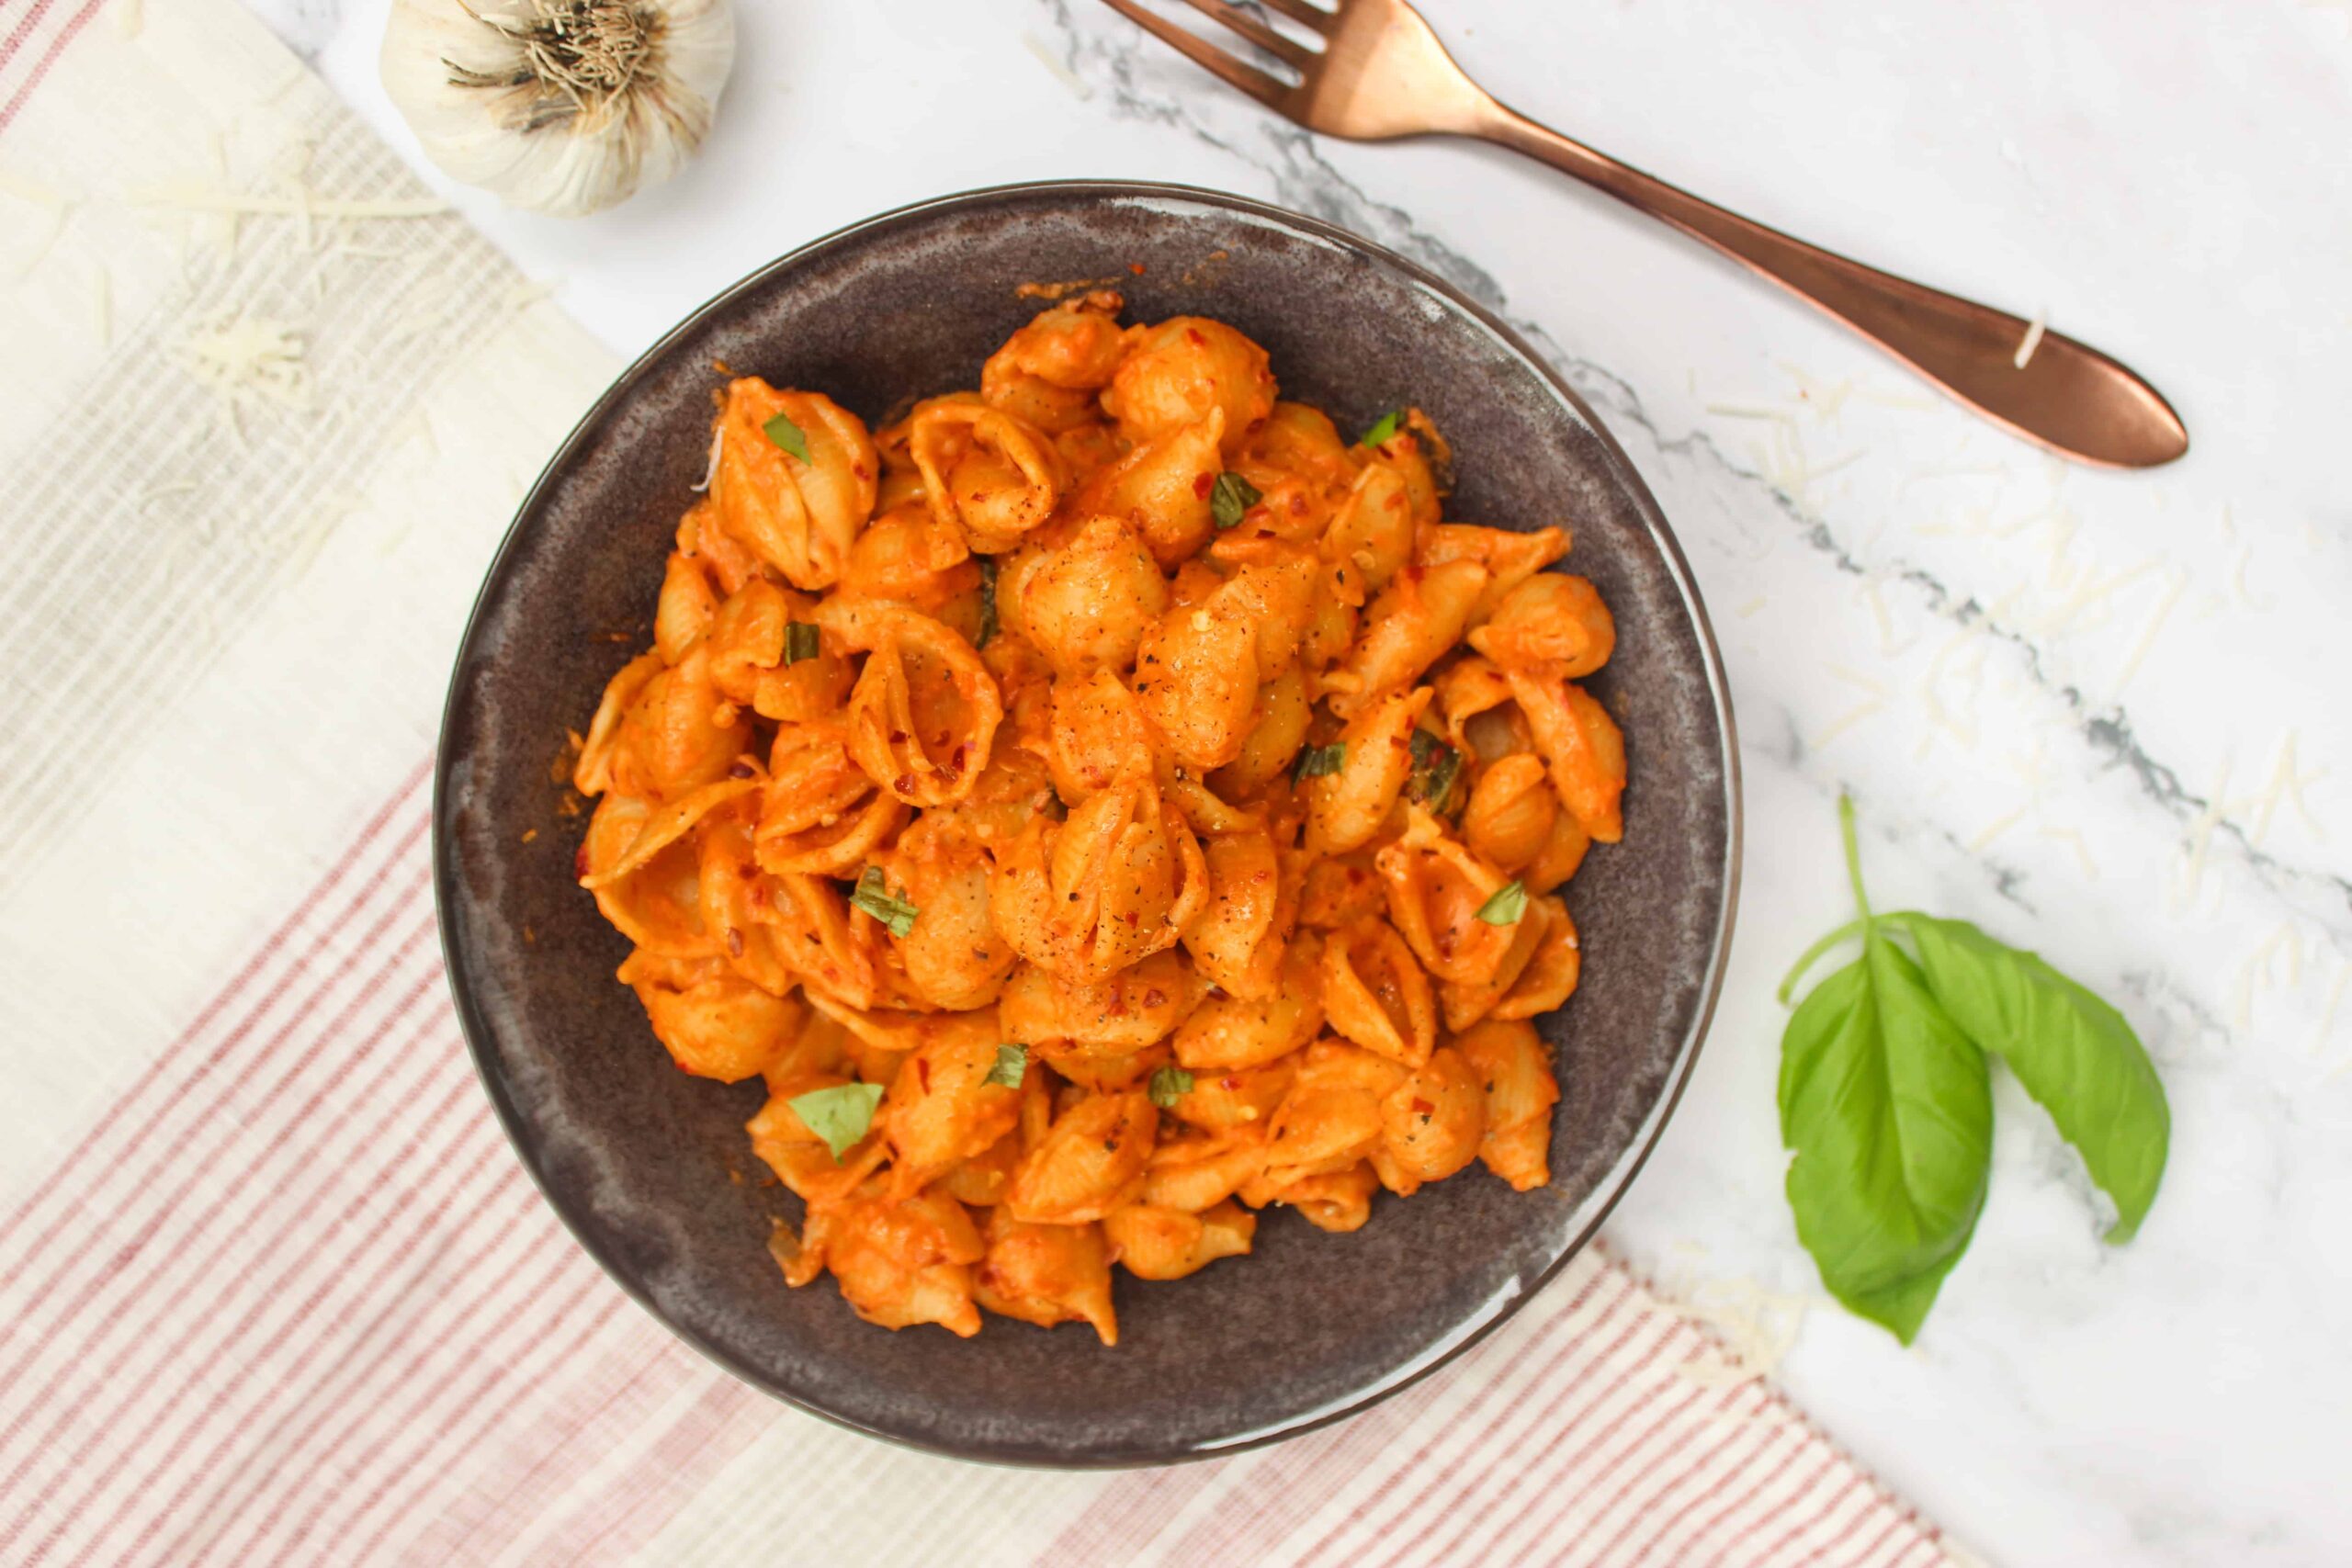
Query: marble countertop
point(2101, 715)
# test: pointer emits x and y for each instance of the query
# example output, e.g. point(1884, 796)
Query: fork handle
point(2067, 396)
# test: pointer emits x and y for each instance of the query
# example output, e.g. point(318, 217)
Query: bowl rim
point(1461, 1337)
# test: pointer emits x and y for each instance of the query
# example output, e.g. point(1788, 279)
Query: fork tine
point(1266, 89)
point(1312, 16)
point(1256, 31)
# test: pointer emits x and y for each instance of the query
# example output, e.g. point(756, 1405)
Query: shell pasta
point(1100, 807)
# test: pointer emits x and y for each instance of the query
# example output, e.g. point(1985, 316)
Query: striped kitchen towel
point(272, 1289)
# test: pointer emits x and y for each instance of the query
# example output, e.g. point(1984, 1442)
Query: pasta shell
point(1180, 369)
point(797, 516)
point(1583, 746)
point(1047, 1274)
point(924, 711)
point(1375, 994)
point(1167, 1244)
point(1510, 813)
point(1435, 888)
point(1550, 620)
point(991, 475)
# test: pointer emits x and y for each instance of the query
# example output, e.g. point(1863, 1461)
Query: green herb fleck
point(1011, 1065)
point(1318, 761)
point(988, 600)
point(1436, 767)
point(875, 898)
point(1169, 1085)
point(1230, 497)
point(1388, 425)
point(788, 435)
point(1507, 906)
point(799, 641)
point(841, 1115)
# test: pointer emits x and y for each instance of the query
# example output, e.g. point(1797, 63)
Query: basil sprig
point(1385, 427)
point(800, 641)
point(1886, 1101)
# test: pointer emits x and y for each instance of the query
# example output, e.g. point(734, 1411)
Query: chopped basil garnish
point(1505, 907)
point(788, 435)
point(1389, 424)
point(1011, 1065)
point(839, 1115)
point(988, 600)
point(1318, 761)
point(875, 898)
point(1169, 1085)
point(799, 641)
point(1230, 497)
point(1436, 766)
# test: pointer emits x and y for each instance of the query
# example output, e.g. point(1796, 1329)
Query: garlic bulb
point(560, 105)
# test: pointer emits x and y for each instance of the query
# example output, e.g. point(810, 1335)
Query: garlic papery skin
point(564, 106)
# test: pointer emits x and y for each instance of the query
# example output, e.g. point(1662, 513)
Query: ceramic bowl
point(652, 1168)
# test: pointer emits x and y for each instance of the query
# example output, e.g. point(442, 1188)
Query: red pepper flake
point(579, 864)
point(1228, 1082)
point(955, 761)
point(897, 738)
point(1422, 1107)
point(1136, 268)
point(1154, 996)
point(1193, 335)
point(922, 1074)
point(904, 784)
point(1297, 504)
point(1203, 485)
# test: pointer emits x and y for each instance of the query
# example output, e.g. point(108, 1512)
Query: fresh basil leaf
point(988, 600)
point(1436, 766)
point(1011, 1065)
point(1169, 1085)
point(799, 641)
point(1386, 426)
point(1318, 761)
point(1230, 497)
point(788, 435)
point(875, 898)
point(1509, 903)
point(839, 1115)
point(2073, 1053)
point(1889, 1110)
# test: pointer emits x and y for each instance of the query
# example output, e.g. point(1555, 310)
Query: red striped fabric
point(37, 32)
point(292, 1299)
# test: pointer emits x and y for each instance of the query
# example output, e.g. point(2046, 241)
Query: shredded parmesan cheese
point(1755, 1329)
point(2254, 974)
point(1847, 721)
point(246, 361)
point(2081, 846)
point(2154, 624)
point(1750, 608)
point(1983, 840)
point(1053, 62)
point(2201, 839)
point(711, 472)
point(129, 18)
point(2033, 332)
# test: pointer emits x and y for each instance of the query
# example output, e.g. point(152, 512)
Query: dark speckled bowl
point(650, 1167)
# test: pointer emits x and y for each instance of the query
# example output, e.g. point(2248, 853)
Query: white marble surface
point(2062, 698)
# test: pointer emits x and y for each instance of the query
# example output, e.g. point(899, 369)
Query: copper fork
point(1372, 70)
